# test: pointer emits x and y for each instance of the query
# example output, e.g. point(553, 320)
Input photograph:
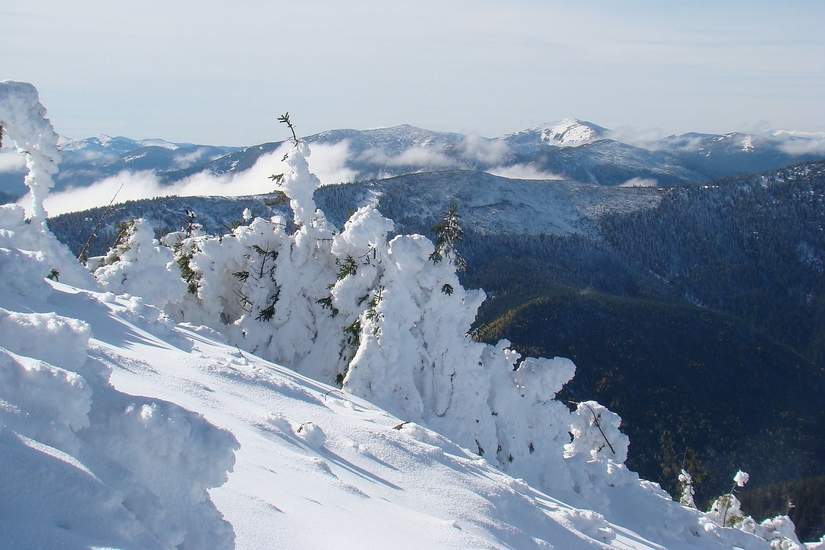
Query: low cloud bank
point(799, 144)
point(522, 172)
point(645, 138)
point(483, 150)
point(327, 161)
point(640, 182)
point(414, 156)
point(11, 161)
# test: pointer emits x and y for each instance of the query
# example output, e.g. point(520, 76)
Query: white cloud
point(414, 156)
point(640, 182)
point(329, 162)
point(10, 160)
point(638, 137)
point(483, 150)
point(810, 144)
point(326, 161)
point(522, 172)
point(188, 159)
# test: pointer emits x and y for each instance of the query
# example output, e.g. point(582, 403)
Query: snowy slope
point(488, 205)
point(568, 132)
point(495, 205)
point(313, 468)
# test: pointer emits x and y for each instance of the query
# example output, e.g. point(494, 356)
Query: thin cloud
point(188, 159)
point(638, 137)
point(522, 172)
point(480, 149)
point(640, 182)
point(414, 156)
point(11, 161)
point(798, 144)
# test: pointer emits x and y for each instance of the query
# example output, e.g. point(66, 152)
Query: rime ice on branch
point(23, 118)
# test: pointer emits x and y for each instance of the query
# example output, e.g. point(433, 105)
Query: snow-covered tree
point(687, 491)
point(23, 118)
point(139, 265)
point(387, 319)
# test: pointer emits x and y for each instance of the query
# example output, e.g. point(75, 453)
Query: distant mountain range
point(569, 149)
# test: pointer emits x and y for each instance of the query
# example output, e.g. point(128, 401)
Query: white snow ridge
point(149, 407)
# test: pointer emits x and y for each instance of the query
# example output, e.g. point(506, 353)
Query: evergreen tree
point(448, 234)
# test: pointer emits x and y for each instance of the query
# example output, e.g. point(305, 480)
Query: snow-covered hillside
point(568, 132)
point(490, 205)
point(120, 428)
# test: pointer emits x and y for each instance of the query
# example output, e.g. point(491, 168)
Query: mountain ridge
point(568, 149)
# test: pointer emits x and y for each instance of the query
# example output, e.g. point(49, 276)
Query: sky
point(222, 72)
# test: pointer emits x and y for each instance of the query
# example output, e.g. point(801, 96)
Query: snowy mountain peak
point(116, 144)
point(569, 132)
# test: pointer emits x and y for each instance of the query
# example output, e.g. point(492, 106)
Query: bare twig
point(285, 119)
point(240, 352)
point(596, 422)
point(82, 256)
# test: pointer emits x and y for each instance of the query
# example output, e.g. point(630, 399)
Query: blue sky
point(222, 72)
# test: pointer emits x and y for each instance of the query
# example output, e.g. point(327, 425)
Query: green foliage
point(233, 226)
point(259, 272)
point(183, 255)
point(164, 213)
point(278, 197)
point(802, 500)
point(326, 303)
point(448, 235)
point(724, 505)
point(348, 267)
point(121, 243)
point(54, 275)
point(372, 313)
point(284, 119)
point(752, 246)
point(352, 333)
point(267, 313)
point(447, 289)
point(695, 388)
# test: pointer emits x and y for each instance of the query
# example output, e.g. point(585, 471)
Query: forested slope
point(753, 246)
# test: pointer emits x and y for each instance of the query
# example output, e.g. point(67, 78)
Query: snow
point(24, 119)
point(313, 467)
point(567, 132)
point(120, 428)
